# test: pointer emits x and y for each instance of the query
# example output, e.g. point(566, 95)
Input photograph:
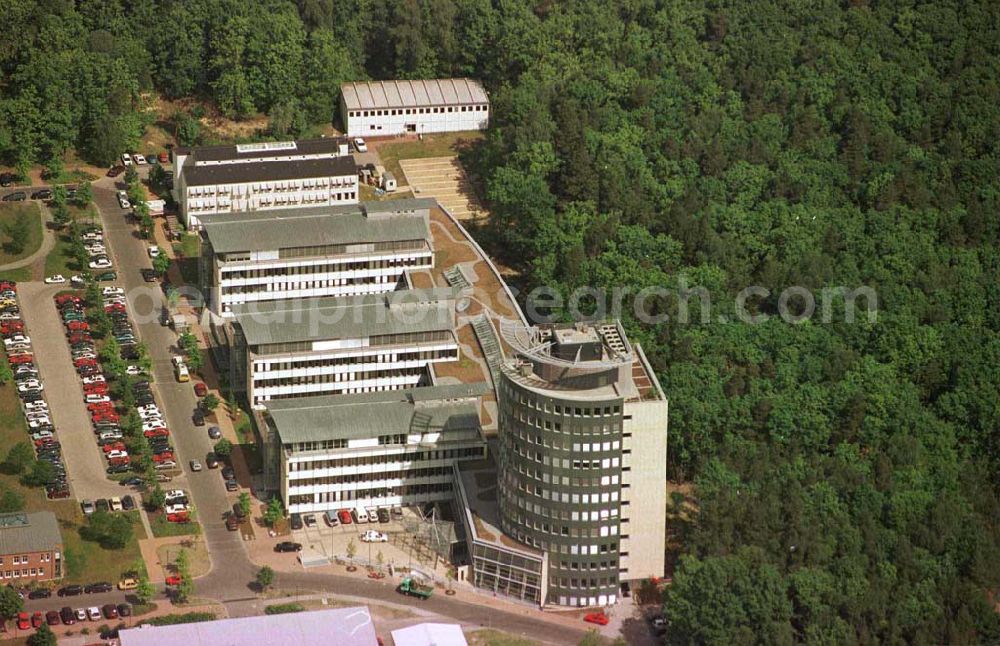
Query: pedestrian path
point(48, 243)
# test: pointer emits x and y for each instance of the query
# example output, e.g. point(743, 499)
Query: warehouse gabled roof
point(429, 409)
point(271, 171)
point(406, 311)
point(311, 226)
point(21, 533)
point(410, 94)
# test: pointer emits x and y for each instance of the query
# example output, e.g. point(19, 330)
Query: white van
point(360, 515)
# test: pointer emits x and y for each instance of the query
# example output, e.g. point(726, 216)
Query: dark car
point(52, 617)
point(288, 546)
point(103, 504)
point(198, 418)
point(98, 587)
point(18, 196)
point(106, 276)
point(115, 171)
point(6, 179)
point(117, 468)
point(128, 503)
point(238, 511)
point(383, 515)
point(296, 521)
point(67, 615)
point(214, 432)
point(43, 194)
point(228, 472)
point(148, 275)
point(133, 481)
point(232, 522)
point(232, 485)
point(110, 611)
point(211, 461)
point(124, 610)
point(40, 593)
point(70, 590)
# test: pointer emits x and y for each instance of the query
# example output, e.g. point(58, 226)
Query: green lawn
point(85, 561)
point(162, 527)
point(20, 274)
point(60, 260)
point(8, 212)
point(489, 637)
point(189, 246)
point(441, 145)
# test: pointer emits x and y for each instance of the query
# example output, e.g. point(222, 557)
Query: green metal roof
point(367, 415)
point(21, 533)
point(346, 317)
point(309, 227)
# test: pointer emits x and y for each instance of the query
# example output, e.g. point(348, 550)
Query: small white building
point(429, 634)
point(263, 176)
point(413, 107)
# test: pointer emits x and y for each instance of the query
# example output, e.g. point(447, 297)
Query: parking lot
point(84, 461)
point(443, 178)
point(402, 549)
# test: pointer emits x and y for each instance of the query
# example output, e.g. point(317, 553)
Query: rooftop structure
point(420, 106)
point(29, 532)
point(429, 635)
point(252, 152)
point(315, 628)
point(268, 171)
point(408, 311)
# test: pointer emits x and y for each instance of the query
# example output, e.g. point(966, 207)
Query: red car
point(114, 307)
point(117, 461)
point(79, 363)
point(77, 326)
point(62, 299)
point(101, 407)
point(173, 579)
point(115, 171)
point(181, 517)
point(95, 389)
point(23, 621)
point(598, 618)
point(200, 389)
point(11, 326)
point(160, 432)
point(344, 516)
point(163, 457)
point(117, 446)
point(21, 358)
point(37, 619)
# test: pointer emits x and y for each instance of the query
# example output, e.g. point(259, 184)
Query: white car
point(147, 407)
point(94, 235)
point(176, 509)
point(115, 503)
point(126, 160)
point(123, 200)
point(100, 263)
point(110, 435)
point(133, 371)
point(37, 422)
point(139, 159)
point(16, 339)
point(150, 415)
point(195, 465)
point(153, 251)
point(96, 399)
point(111, 455)
point(166, 464)
point(97, 250)
point(94, 613)
point(77, 278)
point(111, 291)
point(360, 145)
point(173, 494)
point(29, 384)
point(371, 536)
point(153, 426)
point(39, 405)
point(96, 379)
point(55, 280)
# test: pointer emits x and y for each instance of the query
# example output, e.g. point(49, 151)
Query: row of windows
point(395, 112)
point(283, 286)
point(386, 458)
point(520, 432)
point(559, 548)
point(364, 494)
point(352, 478)
point(547, 477)
point(600, 531)
point(543, 457)
point(390, 246)
point(593, 582)
point(556, 427)
point(379, 340)
point(327, 268)
point(560, 564)
point(262, 368)
point(566, 514)
point(271, 187)
point(574, 498)
point(19, 559)
point(258, 398)
point(338, 378)
point(17, 574)
point(519, 396)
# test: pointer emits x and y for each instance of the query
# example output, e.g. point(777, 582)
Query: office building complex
point(263, 176)
point(30, 548)
point(373, 449)
point(347, 344)
point(582, 458)
point(415, 107)
point(312, 252)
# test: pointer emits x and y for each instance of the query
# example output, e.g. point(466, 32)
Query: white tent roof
point(430, 635)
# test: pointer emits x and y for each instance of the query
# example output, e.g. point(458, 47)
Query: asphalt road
point(232, 573)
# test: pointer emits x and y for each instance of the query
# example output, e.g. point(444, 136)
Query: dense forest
point(844, 474)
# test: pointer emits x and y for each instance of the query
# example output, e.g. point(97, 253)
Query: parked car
point(360, 145)
point(72, 590)
point(43, 194)
point(67, 615)
point(110, 611)
point(18, 196)
point(200, 389)
point(288, 546)
point(94, 613)
point(40, 593)
point(232, 485)
point(296, 521)
point(372, 536)
point(102, 586)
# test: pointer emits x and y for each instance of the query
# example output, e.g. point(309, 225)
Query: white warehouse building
point(413, 107)
point(263, 176)
point(373, 449)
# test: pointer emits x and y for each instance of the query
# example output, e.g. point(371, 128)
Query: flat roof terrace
point(479, 483)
